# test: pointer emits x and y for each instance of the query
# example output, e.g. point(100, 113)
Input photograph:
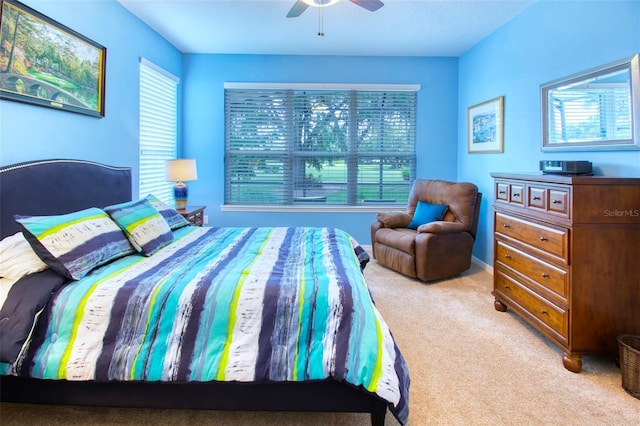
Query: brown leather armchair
point(435, 250)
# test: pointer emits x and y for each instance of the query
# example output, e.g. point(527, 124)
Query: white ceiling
point(400, 28)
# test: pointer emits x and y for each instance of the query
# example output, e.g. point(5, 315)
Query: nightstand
point(193, 214)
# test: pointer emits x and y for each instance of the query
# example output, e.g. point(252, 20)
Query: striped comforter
point(227, 304)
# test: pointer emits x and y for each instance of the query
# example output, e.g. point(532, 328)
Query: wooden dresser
point(567, 258)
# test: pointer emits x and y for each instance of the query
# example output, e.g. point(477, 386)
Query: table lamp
point(180, 171)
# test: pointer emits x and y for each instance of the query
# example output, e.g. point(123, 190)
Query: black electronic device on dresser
point(566, 167)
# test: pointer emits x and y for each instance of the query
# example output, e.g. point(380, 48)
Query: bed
point(260, 319)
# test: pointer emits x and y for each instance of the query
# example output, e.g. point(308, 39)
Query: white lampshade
point(182, 170)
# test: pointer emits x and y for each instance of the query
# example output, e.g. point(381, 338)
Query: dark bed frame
point(61, 186)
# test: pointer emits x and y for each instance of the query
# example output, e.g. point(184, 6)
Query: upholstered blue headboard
point(48, 187)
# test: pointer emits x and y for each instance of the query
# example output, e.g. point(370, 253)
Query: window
point(158, 129)
point(317, 145)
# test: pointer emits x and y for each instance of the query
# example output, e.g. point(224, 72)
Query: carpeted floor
point(469, 365)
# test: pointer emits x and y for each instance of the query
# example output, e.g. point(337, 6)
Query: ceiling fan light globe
point(320, 3)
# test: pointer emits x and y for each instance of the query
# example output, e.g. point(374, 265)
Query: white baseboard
point(483, 265)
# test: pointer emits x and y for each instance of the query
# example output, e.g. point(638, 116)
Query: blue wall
point(203, 121)
point(29, 132)
point(539, 45)
point(549, 40)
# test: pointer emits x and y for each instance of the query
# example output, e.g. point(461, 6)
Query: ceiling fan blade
point(371, 5)
point(297, 9)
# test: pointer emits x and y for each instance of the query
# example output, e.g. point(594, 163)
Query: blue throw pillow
point(426, 213)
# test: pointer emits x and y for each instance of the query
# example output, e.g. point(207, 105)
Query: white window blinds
point(591, 114)
point(319, 145)
point(158, 129)
point(591, 109)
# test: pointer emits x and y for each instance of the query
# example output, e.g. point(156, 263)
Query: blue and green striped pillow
point(73, 244)
point(173, 218)
point(145, 227)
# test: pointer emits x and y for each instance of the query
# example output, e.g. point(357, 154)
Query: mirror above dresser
point(597, 109)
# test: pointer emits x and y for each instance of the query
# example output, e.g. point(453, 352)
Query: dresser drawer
point(550, 315)
point(510, 192)
point(548, 276)
point(517, 194)
point(537, 197)
point(549, 200)
point(502, 191)
point(553, 240)
point(559, 201)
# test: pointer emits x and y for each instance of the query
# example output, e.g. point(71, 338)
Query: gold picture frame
point(44, 63)
point(485, 124)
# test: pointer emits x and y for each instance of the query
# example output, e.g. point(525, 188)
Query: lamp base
point(180, 195)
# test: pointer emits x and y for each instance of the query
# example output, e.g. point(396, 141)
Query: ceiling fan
point(302, 5)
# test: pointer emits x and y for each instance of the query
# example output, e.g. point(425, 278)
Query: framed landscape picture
point(44, 63)
point(485, 123)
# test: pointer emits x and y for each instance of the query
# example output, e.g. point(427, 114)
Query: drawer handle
point(505, 225)
point(516, 195)
point(536, 198)
point(543, 238)
point(557, 202)
point(545, 275)
point(507, 287)
point(502, 192)
point(507, 256)
point(543, 312)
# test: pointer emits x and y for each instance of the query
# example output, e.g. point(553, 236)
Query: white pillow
point(5, 286)
point(17, 258)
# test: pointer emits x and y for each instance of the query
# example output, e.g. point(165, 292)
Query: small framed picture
point(485, 123)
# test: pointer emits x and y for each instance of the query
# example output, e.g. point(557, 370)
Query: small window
point(158, 129)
